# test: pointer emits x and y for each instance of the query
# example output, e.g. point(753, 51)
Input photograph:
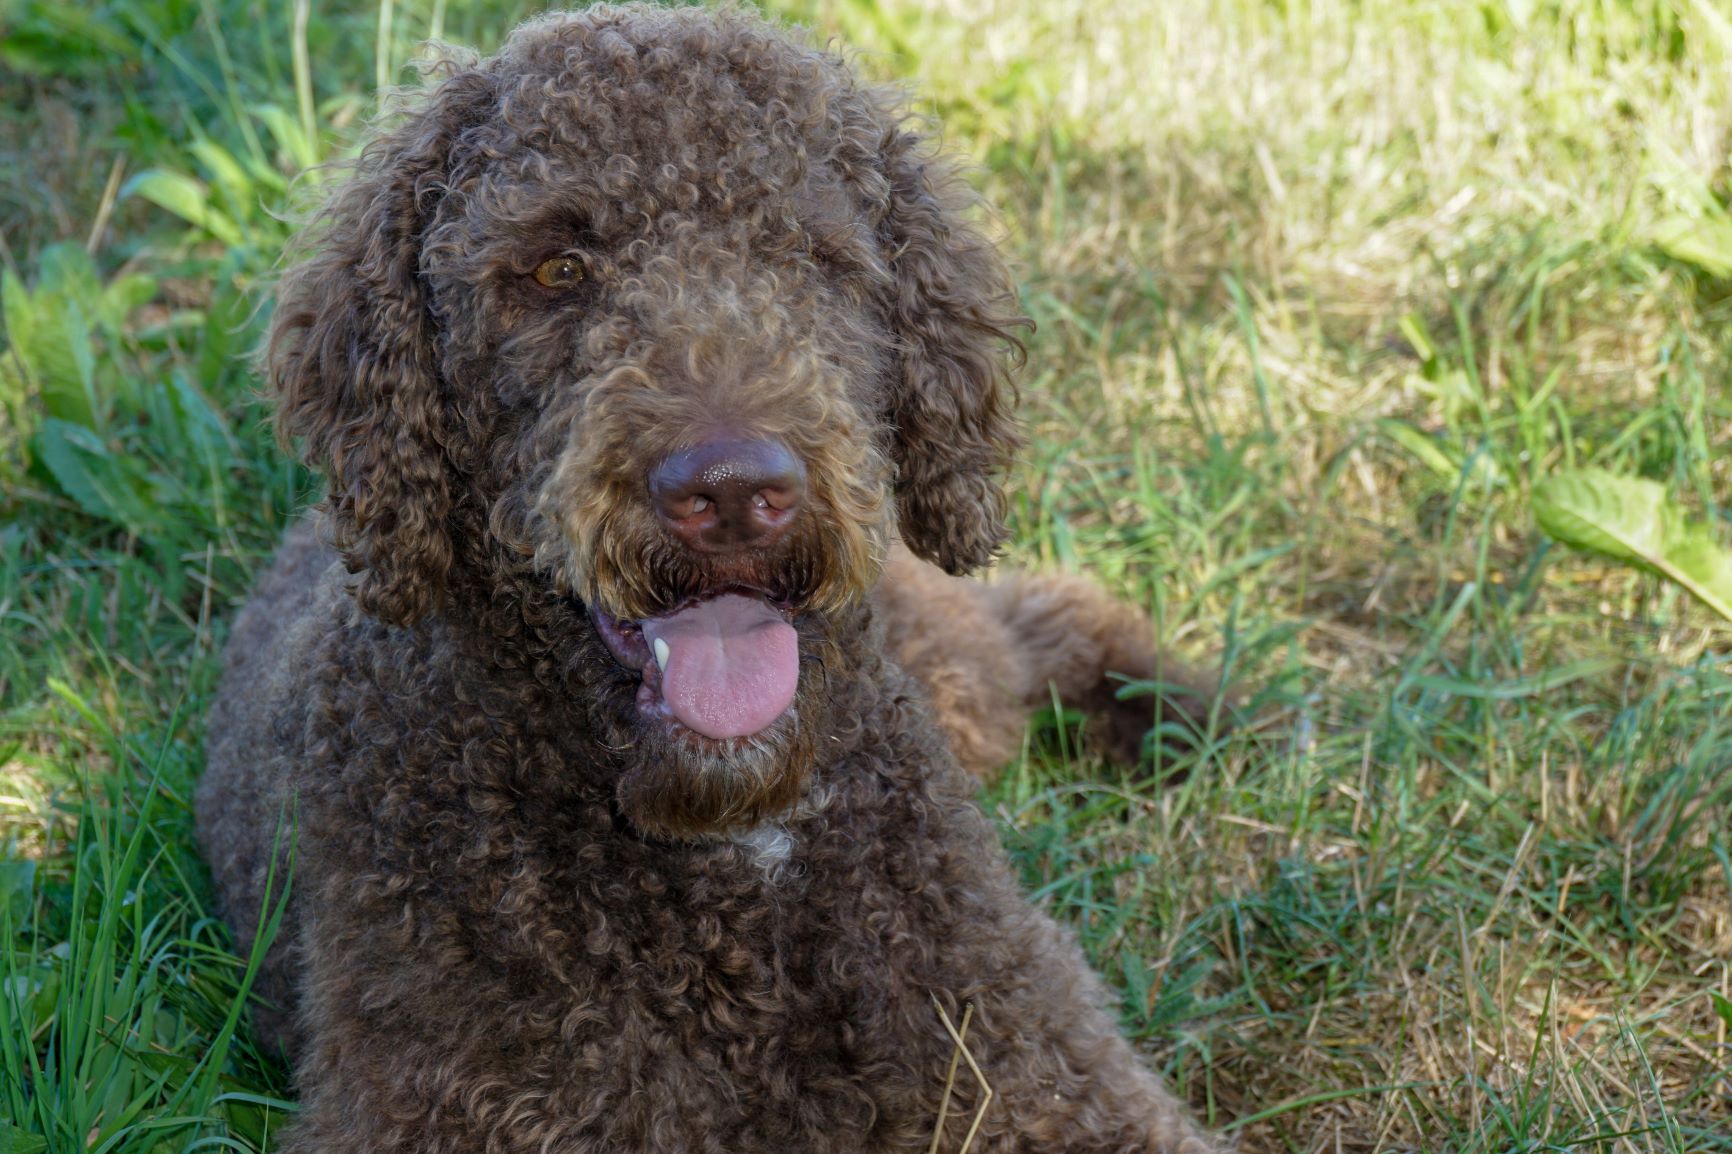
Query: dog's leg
point(988, 654)
point(943, 631)
point(1044, 1032)
point(1075, 640)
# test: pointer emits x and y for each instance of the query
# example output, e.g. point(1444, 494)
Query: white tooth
point(660, 646)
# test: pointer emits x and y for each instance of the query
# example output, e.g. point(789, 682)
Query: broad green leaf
point(69, 450)
point(186, 198)
point(197, 420)
point(113, 487)
point(31, 996)
point(16, 1141)
point(291, 138)
point(15, 310)
point(71, 395)
point(226, 173)
point(1705, 242)
point(121, 296)
point(50, 330)
point(66, 270)
point(14, 387)
point(1413, 332)
point(1445, 464)
point(16, 375)
point(1420, 446)
point(1623, 518)
point(228, 332)
point(16, 878)
point(60, 359)
point(1632, 520)
point(1704, 564)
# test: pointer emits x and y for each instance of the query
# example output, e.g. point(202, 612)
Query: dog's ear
point(352, 360)
point(953, 406)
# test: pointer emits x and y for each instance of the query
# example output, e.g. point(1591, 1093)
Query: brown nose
point(729, 493)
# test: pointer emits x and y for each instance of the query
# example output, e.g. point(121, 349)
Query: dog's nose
point(729, 493)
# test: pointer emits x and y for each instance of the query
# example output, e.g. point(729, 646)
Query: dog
point(629, 353)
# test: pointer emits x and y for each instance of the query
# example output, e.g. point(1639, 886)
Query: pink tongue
point(732, 666)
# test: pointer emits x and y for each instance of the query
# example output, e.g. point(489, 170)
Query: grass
point(1323, 290)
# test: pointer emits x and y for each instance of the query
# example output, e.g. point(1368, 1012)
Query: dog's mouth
point(725, 665)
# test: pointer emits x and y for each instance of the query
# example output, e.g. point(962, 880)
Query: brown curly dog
point(627, 353)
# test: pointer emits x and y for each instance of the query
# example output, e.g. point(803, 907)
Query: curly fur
point(525, 917)
point(989, 653)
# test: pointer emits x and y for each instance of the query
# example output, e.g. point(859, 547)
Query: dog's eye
point(560, 272)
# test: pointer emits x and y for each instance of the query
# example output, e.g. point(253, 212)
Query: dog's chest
point(730, 981)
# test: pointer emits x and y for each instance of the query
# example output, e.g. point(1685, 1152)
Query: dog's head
point(671, 313)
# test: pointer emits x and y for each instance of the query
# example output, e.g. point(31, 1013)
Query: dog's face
point(668, 312)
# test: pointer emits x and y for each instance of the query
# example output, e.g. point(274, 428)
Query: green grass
point(1323, 290)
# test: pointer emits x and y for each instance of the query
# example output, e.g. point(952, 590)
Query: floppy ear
point(955, 315)
point(352, 361)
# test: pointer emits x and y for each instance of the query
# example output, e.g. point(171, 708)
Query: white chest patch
point(769, 846)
